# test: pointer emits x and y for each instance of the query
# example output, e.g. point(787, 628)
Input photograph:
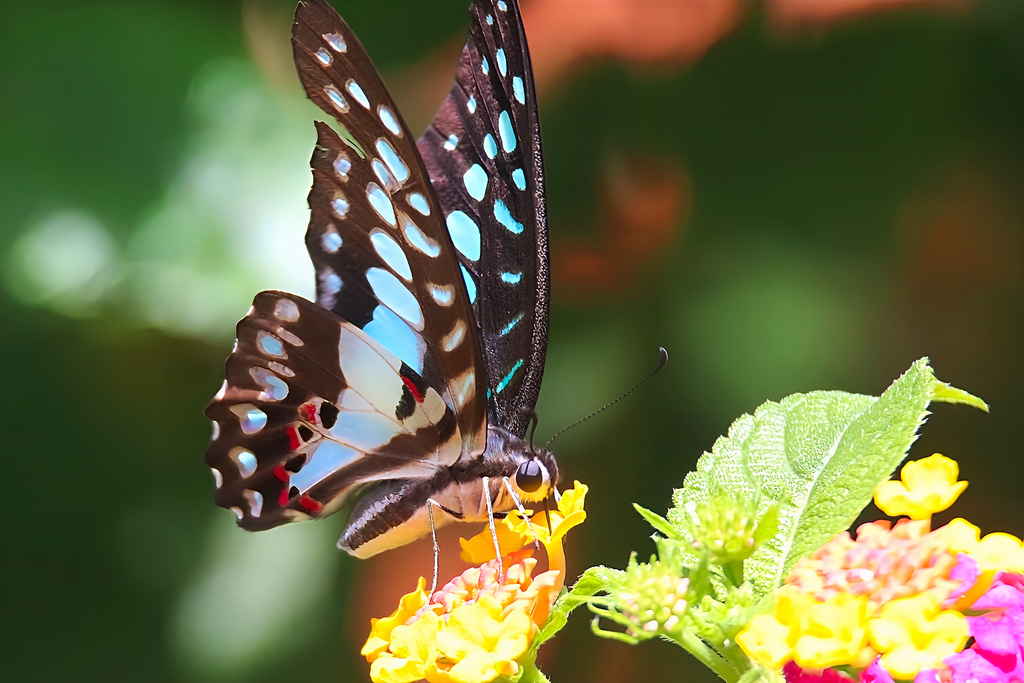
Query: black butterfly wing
point(377, 234)
point(313, 408)
point(384, 379)
point(483, 153)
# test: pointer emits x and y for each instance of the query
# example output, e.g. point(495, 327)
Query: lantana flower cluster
point(901, 601)
point(482, 623)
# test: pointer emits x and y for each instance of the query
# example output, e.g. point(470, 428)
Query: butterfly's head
point(536, 476)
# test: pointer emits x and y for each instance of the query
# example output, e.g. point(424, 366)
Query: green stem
point(708, 657)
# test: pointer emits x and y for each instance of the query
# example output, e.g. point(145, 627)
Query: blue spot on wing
point(465, 234)
point(511, 278)
point(503, 216)
point(512, 323)
point(519, 178)
point(508, 378)
point(506, 132)
point(476, 181)
point(470, 283)
point(396, 336)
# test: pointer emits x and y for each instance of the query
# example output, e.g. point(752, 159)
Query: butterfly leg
point(433, 534)
point(490, 522)
point(522, 511)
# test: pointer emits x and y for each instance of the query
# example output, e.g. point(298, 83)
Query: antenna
point(661, 363)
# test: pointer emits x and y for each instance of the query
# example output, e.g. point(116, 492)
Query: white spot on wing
point(255, 499)
point(288, 337)
point(339, 204)
point(274, 388)
point(444, 295)
point(342, 166)
point(419, 202)
point(389, 120)
point(323, 56)
point(391, 158)
point(387, 248)
point(336, 99)
point(380, 202)
point(336, 42)
point(245, 460)
point(390, 291)
point(286, 310)
point(269, 344)
point(384, 175)
point(355, 91)
point(281, 369)
point(418, 239)
point(218, 478)
point(331, 241)
point(452, 340)
point(464, 388)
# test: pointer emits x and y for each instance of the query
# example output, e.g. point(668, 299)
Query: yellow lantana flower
point(914, 634)
point(769, 639)
point(996, 552)
point(832, 633)
point(475, 627)
point(926, 486)
point(412, 652)
point(816, 634)
point(515, 532)
point(481, 642)
point(381, 629)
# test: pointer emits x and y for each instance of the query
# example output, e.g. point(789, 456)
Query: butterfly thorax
point(394, 512)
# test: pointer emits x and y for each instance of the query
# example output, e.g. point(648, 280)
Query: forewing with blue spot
point(377, 236)
point(483, 154)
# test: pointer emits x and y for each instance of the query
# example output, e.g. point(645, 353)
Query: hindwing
point(483, 154)
point(313, 407)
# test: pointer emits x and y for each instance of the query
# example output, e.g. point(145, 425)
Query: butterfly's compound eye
point(529, 476)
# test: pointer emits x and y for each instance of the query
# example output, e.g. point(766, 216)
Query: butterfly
point(408, 386)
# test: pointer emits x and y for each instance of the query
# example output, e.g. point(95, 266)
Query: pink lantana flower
point(997, 655)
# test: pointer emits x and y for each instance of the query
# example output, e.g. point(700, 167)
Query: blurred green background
point(785, 204)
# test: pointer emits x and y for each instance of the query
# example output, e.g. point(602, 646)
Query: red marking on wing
point(310, 504)
point(412, 387)
point(294, 442)
point(281, 473)
point(310, 410)
point(283, 498)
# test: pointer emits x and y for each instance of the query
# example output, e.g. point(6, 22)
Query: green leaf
point(818, 457)
point(593, 581)
point(944, 393)
point(660, 524)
